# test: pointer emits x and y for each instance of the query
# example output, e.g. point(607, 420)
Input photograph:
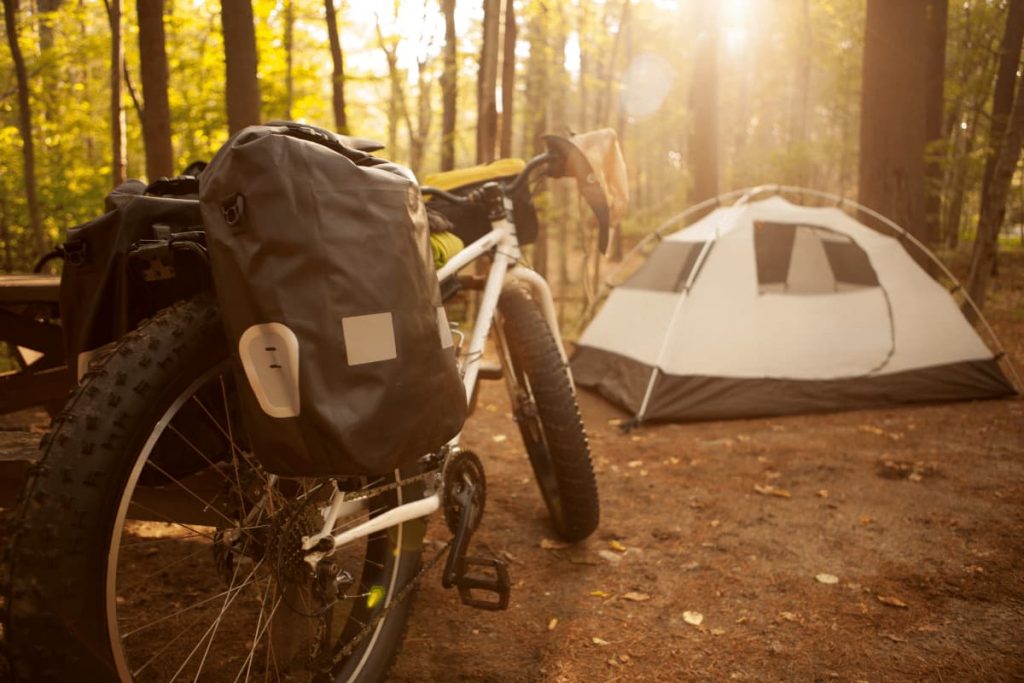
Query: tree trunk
point(487, 110)
point(119, 143)
point(703, 141)
point(156, 112)
point(46, 9)
point(993, 203)
point(289, 58)
point(242, 88)
point(617, 250)
point(25, 127)
point(938, 22)
point(449, 87)
point(508, 78)
point(338, 71)
point(1006, 76)
point(893, 112)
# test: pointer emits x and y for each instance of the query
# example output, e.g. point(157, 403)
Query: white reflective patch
point(369, 338)
point(270, 357)
point(443, 329)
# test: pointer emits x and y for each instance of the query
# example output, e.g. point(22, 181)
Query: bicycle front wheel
point(150, 546)
point(544, 405)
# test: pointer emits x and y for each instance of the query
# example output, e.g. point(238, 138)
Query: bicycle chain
point(362, 494)
point(399, 598)
point(406, 590)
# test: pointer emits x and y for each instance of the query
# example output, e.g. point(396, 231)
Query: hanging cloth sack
point(322, 268)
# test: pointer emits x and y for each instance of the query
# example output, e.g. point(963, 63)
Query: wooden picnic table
point(30, 325)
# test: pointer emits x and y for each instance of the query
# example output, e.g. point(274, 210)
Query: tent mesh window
point(808, 259)
point(668, 268)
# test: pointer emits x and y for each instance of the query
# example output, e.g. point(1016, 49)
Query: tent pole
point(697, 266)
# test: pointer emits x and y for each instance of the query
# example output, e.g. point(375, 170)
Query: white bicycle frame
point(505, 268)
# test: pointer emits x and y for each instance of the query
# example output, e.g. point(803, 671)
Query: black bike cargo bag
point(322, 268)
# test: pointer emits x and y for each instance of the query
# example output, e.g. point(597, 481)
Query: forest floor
point(917, 513)
point(876, 545)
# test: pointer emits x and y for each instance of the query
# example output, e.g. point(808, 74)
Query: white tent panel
point(635, 325)
point(929, 327)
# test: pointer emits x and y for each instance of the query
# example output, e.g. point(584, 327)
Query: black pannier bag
point(118, 268)
point(322, 268)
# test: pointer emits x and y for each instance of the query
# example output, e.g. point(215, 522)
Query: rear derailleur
point(463, 498)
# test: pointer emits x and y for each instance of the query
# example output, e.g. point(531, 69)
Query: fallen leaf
point(673, 460)
point(718, 631)
point(553, 623)
point(613, 662)
point(600, 642)
point(549, 544)
point(636, 596)
point(892, 601)
point(827, 578)
point(634, 463)
point(693, 618)
point(769, 490)
point(498, 438)
point(600, 594)
point(714, 523)
point(616, 546)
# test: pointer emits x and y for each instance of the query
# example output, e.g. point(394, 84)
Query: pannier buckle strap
point(233, 207)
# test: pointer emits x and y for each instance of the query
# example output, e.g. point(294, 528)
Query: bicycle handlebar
point(563, 158)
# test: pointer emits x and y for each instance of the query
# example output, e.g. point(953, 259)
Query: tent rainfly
point(766, 308)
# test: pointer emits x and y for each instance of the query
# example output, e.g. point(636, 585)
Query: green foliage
point(788, 88)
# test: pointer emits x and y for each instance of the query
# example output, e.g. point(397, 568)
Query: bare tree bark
point(508, 78)
point(289, 58)
point(617, 249)
point(703, 141)
point(156, 112)
point(487, 110)
point(449, 87)
point(119, 142)
point(1006, 77)
point(240, 63)
point(45, 11)
point(893, 110)
point(338, 70)
point(24, 126)
point(937, 28)
point(534, 119)
point(993, 205)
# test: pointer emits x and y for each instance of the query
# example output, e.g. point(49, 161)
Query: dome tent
point(767, 307)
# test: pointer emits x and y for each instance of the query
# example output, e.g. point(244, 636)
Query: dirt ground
point(916, 513)
point(880, 545)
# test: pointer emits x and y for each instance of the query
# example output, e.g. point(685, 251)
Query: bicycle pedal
point(499, 583)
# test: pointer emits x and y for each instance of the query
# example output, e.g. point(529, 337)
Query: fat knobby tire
point(562, 456)
point(56, 617)
point(55, 621)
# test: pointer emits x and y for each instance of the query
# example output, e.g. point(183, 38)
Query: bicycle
point(147, 530)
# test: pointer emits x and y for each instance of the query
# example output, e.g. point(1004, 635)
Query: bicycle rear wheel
point(544, 406)
point(149, 545)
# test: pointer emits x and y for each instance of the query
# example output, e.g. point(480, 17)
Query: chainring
point(463, 469)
